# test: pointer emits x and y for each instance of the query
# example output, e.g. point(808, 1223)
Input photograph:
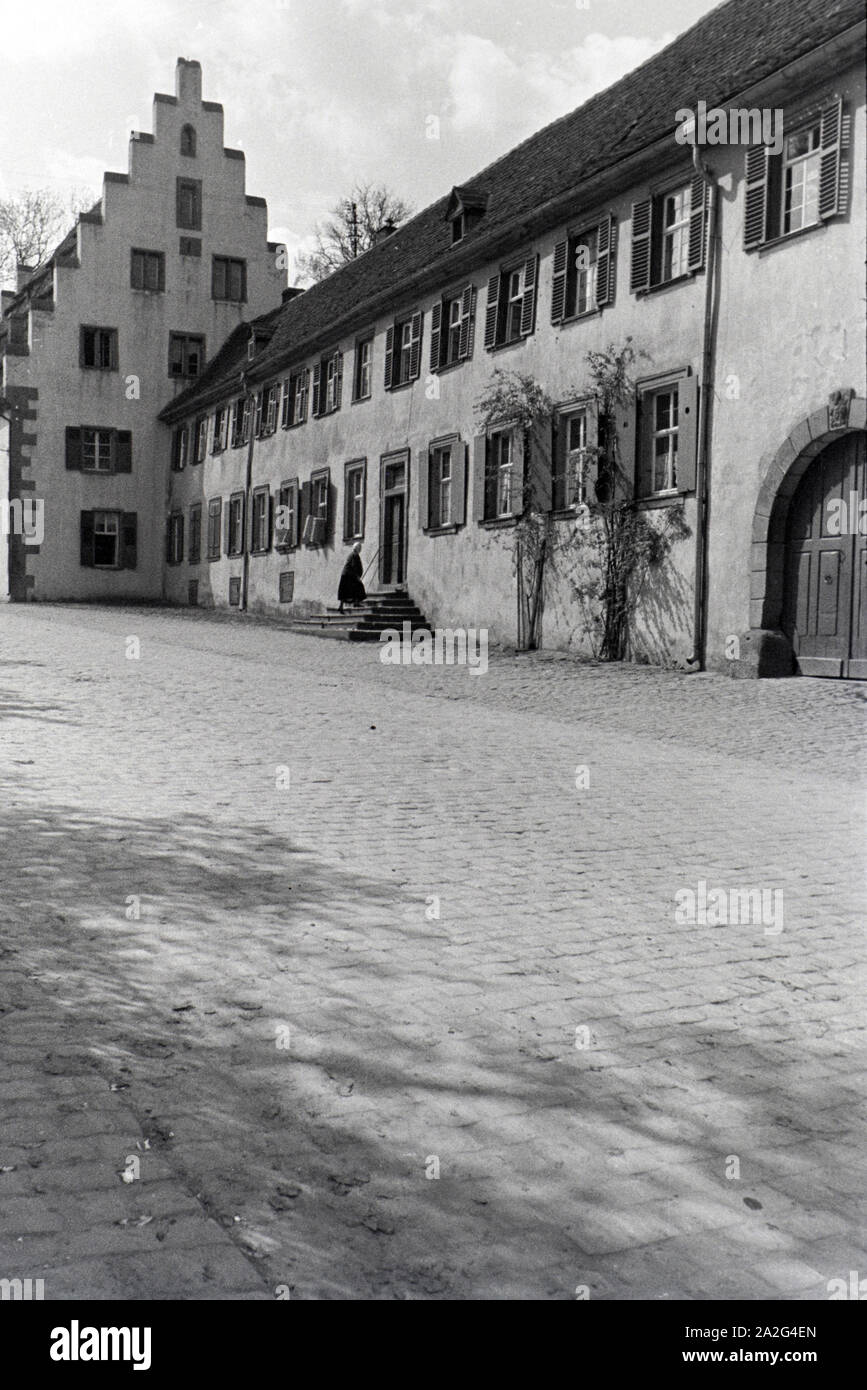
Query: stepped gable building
point(736, 272)
point(124, 315)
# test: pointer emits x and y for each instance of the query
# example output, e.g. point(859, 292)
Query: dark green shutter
point(687, 432)
point(833, 166)
point(389, 356)
point(468, 323)
point(424, 463)
point(639, 271)
point(415, 346)
point(123, 452)
point(73, 447)
point(480, 456)
point(316, 407)
point(558, 284)
point(459, 482)
point(436, 318)
point(87, 538)
point(528, 307)
point(755, 195)
point(697, 222)
point(492, 311)
point(606, 246)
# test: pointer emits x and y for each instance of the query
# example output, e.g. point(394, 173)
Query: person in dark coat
point(351, 590)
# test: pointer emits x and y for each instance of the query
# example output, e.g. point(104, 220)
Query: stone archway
point(769, 651)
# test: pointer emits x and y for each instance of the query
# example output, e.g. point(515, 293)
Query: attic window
point(188, 141)
point(466, 207)
point(255, 343)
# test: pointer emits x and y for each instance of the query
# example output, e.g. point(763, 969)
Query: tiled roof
point(734, 47)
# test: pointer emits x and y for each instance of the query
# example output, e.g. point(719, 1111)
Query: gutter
point(696, 662)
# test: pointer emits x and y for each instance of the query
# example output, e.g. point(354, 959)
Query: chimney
point(292, 292)
point(23, 274)
point(386, 230)
point(188, 81)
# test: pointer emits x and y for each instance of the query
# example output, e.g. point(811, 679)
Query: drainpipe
point(248, 486)
point(696, 661)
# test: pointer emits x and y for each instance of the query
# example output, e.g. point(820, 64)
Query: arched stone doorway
point(790, 606)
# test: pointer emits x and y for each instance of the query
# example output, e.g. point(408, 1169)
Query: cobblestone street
point(328, 979)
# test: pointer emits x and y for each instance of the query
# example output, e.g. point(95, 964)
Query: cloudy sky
point(318, 93)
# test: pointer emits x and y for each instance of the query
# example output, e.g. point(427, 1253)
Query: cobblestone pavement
point(285, 933)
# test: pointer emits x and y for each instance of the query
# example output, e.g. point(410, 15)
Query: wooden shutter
point(687, 432)
point(389, 356)
point(480, 457)
point(338, 388)
point(539, 469)
point(123, 451)
point(303, 506)
point(697, 222)
point(424, 464)
point(436, 318)
point(558, 284)
point(112, 349)
point(606, 248)
point(492, 311)
point(833, 165)
point(316, 407)
point(755, 195)
point(468, 323)
point(639, 270)
point(519, 472)
point(87, 538)
point(622, 421)
point(73, 447)
point(460, 453)
point(528, 308)
point(415, 346)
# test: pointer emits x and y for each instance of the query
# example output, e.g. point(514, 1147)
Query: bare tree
point(31, 224)
point(353, 227)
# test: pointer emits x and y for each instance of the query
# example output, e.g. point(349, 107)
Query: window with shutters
point(584, 271)
point(147, 270)
point(295, 392)
point(229, 279)
point(316, 523)
point(502, 480)
point(186, 354)
point(403, 351)
point(354, 500)
point(195, 554)
point(511, 308)
point(180, 448)
point(98, 349)
point(440, 485)
point(106, 540)
point(96, 450)
point(668, 235)
point(269, 409)
point(667, 420)
point(240, 422)
point(453, 328)
point(286, 518)
point(805, 184)
point(362, 378)
point(221, 430)
point(235, 525)
point(200, 449)
point(215, 525)
point(260, 520)
point(572, 461)
point(327, 386)
point(175, 539)
point(189, 204)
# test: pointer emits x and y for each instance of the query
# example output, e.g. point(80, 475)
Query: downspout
point(696, 661)
point(248, 486)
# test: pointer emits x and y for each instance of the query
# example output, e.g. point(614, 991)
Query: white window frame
point(674, 260)
point(107, 524)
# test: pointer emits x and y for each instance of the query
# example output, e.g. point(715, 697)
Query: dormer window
point(466, 207)
point(188, 141)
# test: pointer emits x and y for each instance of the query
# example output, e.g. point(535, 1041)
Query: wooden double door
point(825, 606)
